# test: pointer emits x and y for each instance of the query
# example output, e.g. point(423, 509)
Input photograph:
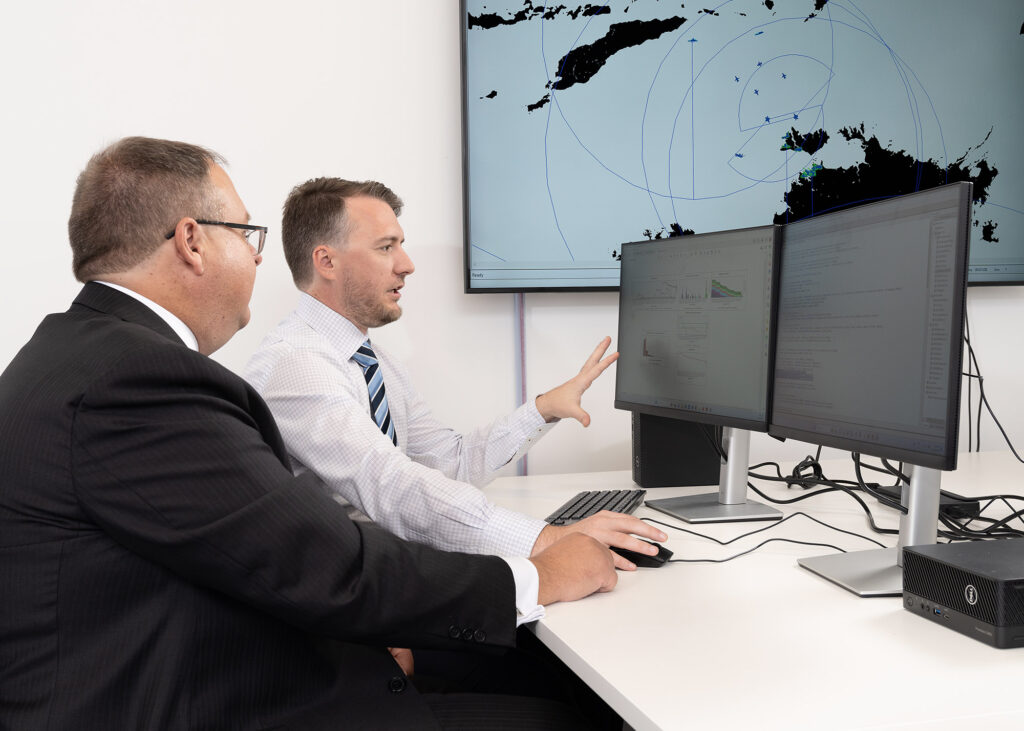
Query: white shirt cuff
point(524, 573)
point(534, 427)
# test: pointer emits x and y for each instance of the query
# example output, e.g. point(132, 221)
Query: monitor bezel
point(755, 425)
point(947, 460)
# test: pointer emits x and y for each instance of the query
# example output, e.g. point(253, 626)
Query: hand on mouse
point(611, 529)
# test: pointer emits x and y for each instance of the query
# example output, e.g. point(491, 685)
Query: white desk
point(760, 643)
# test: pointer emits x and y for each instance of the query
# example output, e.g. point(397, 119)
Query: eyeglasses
point(248, 230)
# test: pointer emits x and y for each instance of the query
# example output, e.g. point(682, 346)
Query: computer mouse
point(642, 559)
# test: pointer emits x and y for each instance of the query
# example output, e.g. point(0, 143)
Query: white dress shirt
point(426, 488)
point(423, 489)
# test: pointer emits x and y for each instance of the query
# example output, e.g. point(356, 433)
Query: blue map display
point(591, 125)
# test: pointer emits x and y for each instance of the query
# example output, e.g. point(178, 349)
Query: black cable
point(948, 528)
point(1005, 498)
point(880, 497)
point(805, 482)
point(958, 532)
point(971, 377)
point(751, 550)
point(770, 526)
point(974, 371)
point(903, 479)
point(762, 543)
point(715, 441)
point(1006, 501)
point(885, 469)
point(833, 486)
point(983, 401)
point(988, 406)
point(896, 472)
point(778, 469)
point(1003, 521)
point(970, 383)
point(844, 485)
point(847, 486)
point(955, 530)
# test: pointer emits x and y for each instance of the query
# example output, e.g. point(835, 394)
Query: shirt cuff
point(530, 428)
point(527, 581)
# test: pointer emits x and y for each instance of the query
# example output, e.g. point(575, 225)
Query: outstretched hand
point(564, 401)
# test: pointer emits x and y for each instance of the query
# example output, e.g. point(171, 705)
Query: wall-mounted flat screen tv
point(589, 125)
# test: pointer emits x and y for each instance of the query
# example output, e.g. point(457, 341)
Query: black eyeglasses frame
point(243, 226)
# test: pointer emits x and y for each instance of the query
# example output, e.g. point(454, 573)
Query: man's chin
point(389, 315)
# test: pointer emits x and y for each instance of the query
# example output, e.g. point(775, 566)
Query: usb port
point(938, 612)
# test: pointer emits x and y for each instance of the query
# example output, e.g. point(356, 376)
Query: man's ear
point(324, 261)
point(190, 244)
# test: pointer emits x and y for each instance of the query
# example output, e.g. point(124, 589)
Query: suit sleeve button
point(396, 684)
point(467, 634)
point(479, 635)
point(454, 632)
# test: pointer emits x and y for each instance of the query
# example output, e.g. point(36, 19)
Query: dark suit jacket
point(161, 568)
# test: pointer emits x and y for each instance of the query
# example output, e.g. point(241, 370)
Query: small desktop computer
point(672, 453)
point(974, 588)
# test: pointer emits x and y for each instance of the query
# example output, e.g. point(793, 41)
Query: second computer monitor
point(696, 343)
point(870, 327)
point(870, 333)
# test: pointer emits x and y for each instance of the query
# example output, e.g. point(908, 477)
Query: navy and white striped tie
point(367, 360)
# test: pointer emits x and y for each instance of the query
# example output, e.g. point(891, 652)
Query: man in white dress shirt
point(410, 474)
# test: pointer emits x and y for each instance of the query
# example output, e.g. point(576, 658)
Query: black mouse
point(642, 559)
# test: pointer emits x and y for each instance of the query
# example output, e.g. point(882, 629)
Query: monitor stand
point(730, 502)
point(880, 572)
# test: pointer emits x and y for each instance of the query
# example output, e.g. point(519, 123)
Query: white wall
point(289, 91)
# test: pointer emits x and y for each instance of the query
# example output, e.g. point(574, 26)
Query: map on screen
point(592, 125)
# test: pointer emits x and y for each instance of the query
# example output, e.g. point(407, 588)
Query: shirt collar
point(343, 336)
point(173, 321)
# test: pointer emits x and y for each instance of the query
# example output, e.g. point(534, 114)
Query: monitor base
point(865, 573)
point(706, 508)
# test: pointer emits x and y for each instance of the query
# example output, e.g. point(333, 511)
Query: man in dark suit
point(160, 567)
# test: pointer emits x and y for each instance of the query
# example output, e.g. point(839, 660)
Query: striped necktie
point(367, 360)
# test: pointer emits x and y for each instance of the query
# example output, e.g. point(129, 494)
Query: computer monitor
point(695, 343)
point(868, 352)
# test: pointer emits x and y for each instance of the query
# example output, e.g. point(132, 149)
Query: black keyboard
point(587, 503)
